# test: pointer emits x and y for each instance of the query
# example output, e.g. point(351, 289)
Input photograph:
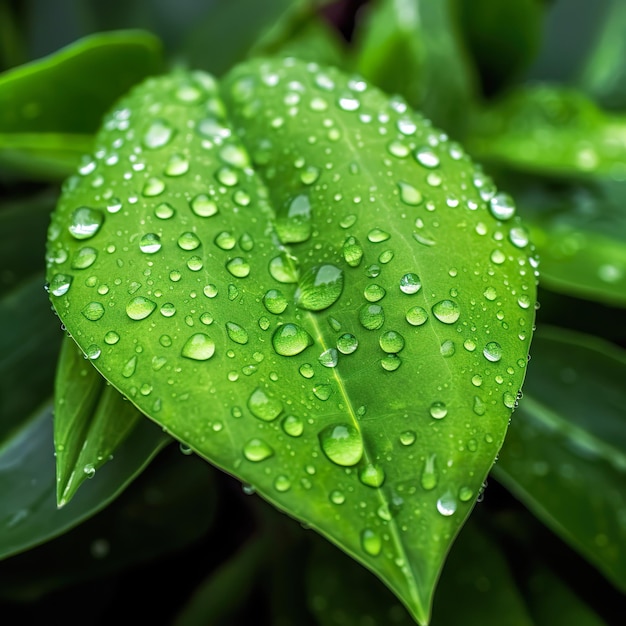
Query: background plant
point(558, 148)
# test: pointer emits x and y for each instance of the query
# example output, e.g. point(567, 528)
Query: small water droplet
point(374, 293)
point(408, 437)
point(199, 347)
point(446, 504)
point(227, 176)
point(139, 308)
point(479, 406)
point(322, 392)
point(237, 333)
point(225, 240)
point(306, 370)
point(177, 165)
point(159, 134)
point(238, 267)
point(329, 358)
point(446, 311)
point(447, 348)
point(426, 157)
point(257, 450)
point(391, 341)
point(282, 483)
point(498, 257)
point(153, 187)
point(203, 206)
point(518, 236)
point(188, 241)
point(347, 343)
point(150, 243)
point(352, 251)
point(372, 475)
point(296, 226)
point(60, 284)
point(371, 316)
point(84, 258)
point(293, 426)
point(376, 235)
point(93, 311)
point(337, 497)
point(465, 494)
point(111, 338)
point(438, 410)
point(416, 316)
point(410, 283)
point(492, 351)
point(264, 407)
point(320, 287)
point(85, 222)
point(429, 477)
point(409, 194)
point(371, 542)
point(274, 301)
point(342, 444)
point(283, 269)
point(164, 211)
point(290, 339)
point(502, 206)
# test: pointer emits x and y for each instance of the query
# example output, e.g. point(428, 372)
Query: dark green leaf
point(91, 420)
point(565, 454)
point(551, 130)
point(402, 46)
point(384, 450)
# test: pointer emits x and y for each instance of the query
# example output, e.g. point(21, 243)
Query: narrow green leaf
point(91, 420)
point(551, 130)
point(345, 328)
point(69, 91)
point(565, 453)
point(603, 75)
point(580, 235)
point(401, 46)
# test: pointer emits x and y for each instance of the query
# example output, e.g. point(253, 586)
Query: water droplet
point(518, 236)
point(84, 258)
point(374, 293)
point(371, 316)
point(227, 176)
point(283, 269)
point(447, 348)
point(429, 478)
point(502, 206)
point(295, 227)
point(410, 283)
point(238, 267)
point(492, 351)
point(194, 263)
point(164, 211)
point(237, 333)
point(498, 257)
point(177, 165)
point(446, 504)
point(391, 341)
point(438, 410)
point(342, 444)
point(129, 368)
point(264, 407)
point(348, 103)
point(60, 284)
point(416, 316)
point(225, 240)
point(320, 287)
point(352, 251)
point(329, 358)
point(199, 347)
point(306, 370)
point(246, 243)
point(203, 206)
point(188, 241)
point(322, 392)
point(290, 339)
point(409, 195)
point(257, 450)
point(150, 243)
point(465, 494)
point(398, 149)
point(274, 301)
point(347, 343)
point(479, 406)
point(371, 542)
point(408, 437)
point(376, 235)
point(139, 308)
point(159, 134)
point(477, 380)
point(509, 399)
point(309, 175)
point(282, 483)
point(111, 338)
point(337, 497)
point(85, 222)
point(391, 362)
point(234, 155)
point(153, 187)
point(446, 311)
point(93, 311)
point(372, 475)
point(293, 426)
point(524, 301)
point(426, 157)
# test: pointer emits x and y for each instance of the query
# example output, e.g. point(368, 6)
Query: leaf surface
point(311, 293)
point(565, 453)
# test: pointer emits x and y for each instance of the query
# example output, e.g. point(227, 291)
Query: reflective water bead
point(274, 301)
point(199, 347)
point(502, 206)
point(492, 351)
point(342, 444)
point(84, 258)
point(263, 406)
point(352, 251)
point(391, 362)
point(93, 311)
point(371, 316)
point(374, 293)
point(320, 287)
point(371, 542)
point(446, 504)
point(329, 358)
point(177, 165)
point(293, 426)
point(164, 211)
point(416, 316)
point(167, 309)
point(225, 240)
point(238, 267)
point(158, 134)
point(85, 222)
point(426, 157)
point(237, 333)
point(410, 283)
point(203, 206)
point(409, 194)
point(372, 475)
point(438, 410)
point(257, 450)
point(391, 341)
point(153, 187)
point(408, 437)
point(347, 343)
point(111, 338)
point(429, 477)
point(139, 308)
point(290, 339)
point(150, 243)
point(188, 241)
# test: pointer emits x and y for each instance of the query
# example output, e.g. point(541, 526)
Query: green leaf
point(551, 130)
point(50, 108)
point(422, 34)
point(603, 75)
point(565, 453)
point(580, 235)
point(253, 289)
point(91, 420)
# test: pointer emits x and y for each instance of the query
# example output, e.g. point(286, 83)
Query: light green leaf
point(343, 325)
point(50, 108)
point(565, 454)
point(401, 46)
point(551, 130)
point(91, 420)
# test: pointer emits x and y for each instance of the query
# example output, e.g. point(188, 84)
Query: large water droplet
point(493, 351)
point(159, 134)
point(426, 157)
point(416, 316)
point(93, 311)
point(446, 311)
point(257, 450)
point(150, 243)
point(502, 206)
point(139, 308)
point(264, 407)
point(85, 222)
point(352, 251)
point(409, 194)
point(329, 358)
point(199, 347)
point(238, 267)
point(342, 444)
point(371, 542)
point(188, 241)
point(60, 284)
point(446, 504)
point(410, 283)
point(293, 426)
point(408, 437)
point(320, 287)
point(371, 316)
point(295, 227)
point(203, 206)
point(283, 269)
point(372, 475)
point(84, 258)
point(274, 301)
point(391, 341)
point(153, 187)
point(290, 339)
point(177, 165)
point(374, 293)
point(347, 343)
point(438, 410)
point(237, 333)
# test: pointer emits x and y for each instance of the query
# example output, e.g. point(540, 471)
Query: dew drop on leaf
point(429, 477)
point(139, 308)
point(446, 311)
point(85, 222)
point(492, 351)
point(257, 450)
point(347, 343)
point(293, 426)
point(372, 475)
point(290, 339)
point(237, 333)
point(199, 347)
point(371, 542)
point(446, 504)
point(371, 316)
point(264, 407)
point(320, 287)
point(342, 444)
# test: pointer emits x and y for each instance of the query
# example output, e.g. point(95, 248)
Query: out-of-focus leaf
point(551, 130)
point(500, 53)
point(604, 73)
point(565, 453)
point(403, 45)
point(69, 91)
point(580, 235)
point(476, 587)
point(170, 506)
point(23, 226)
point(552, 603)
point(253, 287)
point(91, 420)
point(12, 45)
point(230, 30)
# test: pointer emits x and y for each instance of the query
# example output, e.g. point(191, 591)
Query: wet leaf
point(336, 315)
point(565, 454)
point(91, 420)
point(551, 130)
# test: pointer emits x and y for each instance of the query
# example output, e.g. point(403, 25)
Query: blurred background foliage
point(536, 90)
